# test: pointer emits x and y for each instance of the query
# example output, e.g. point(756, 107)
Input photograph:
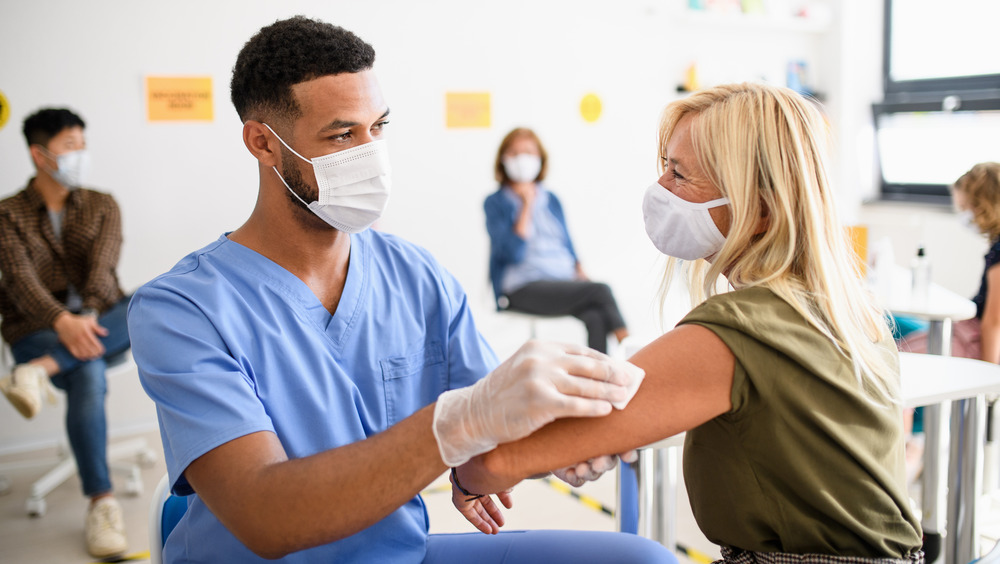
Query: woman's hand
point(481, 510)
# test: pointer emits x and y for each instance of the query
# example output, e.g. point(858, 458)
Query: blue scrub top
point(230, 343)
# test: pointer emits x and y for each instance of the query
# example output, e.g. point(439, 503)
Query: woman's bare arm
point(990, 339)
point(689, 379)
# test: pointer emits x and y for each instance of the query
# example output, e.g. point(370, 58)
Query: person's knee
point(646, 551)
point(88, 381)
point(603, 291)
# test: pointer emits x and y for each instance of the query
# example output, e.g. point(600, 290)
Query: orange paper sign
point(859, 241)
point(467, 109)
point(179, 98)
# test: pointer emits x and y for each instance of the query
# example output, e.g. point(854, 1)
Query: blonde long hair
point(764, 148)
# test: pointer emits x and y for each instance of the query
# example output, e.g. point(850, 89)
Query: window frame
point(958, 94)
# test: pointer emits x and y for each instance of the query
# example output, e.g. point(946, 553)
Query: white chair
point(64, 465)
point(529, 318)
point(991, 557)
point(165, 511)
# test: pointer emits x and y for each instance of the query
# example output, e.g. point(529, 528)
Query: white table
point(944, 459)
point(929, 380)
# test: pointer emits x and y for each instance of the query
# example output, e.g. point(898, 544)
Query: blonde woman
point(787, 384)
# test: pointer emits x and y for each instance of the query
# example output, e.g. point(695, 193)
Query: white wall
point(181, 185)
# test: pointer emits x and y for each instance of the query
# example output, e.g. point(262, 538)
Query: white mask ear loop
point(275, 169)
point(52, 172)
point(286, 144)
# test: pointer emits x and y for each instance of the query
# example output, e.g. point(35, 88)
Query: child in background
point(976, 197)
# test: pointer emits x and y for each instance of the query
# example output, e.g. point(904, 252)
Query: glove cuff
point(451, 428)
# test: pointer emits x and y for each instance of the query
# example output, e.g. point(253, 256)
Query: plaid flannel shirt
point(36, 267)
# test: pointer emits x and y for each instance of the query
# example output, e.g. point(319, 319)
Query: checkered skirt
point(738, 556)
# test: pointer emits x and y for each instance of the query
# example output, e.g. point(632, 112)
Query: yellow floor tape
point(562, 487)
point(144, 555)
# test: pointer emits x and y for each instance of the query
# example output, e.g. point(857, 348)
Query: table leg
point(657, 478)
point(936, 455)
point(650, 487)
point(933, 493)
point(965, 478)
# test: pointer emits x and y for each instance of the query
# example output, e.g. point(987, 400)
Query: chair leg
point(50, 481)
point(137, 449)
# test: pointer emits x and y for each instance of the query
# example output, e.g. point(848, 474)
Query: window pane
point(935, 147)
point(943, 39)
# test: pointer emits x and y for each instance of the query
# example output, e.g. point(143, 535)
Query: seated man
point(297, 362)
point(63, 310)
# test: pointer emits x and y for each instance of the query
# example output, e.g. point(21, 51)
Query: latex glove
point(592, 469)
point(481, 511)
point(541, 382)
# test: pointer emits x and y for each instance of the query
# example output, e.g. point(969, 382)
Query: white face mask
point(680, 228)
point(522, 168)
point(353, 185)
point(73, 168)
point(966, 219)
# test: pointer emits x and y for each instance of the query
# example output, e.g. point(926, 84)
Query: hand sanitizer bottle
point(921, 270)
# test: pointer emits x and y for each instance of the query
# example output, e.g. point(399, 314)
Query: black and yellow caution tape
point(144, 555)
point(436, 489)
point(562, 487)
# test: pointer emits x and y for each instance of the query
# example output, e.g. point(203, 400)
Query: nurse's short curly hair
point(289, 52)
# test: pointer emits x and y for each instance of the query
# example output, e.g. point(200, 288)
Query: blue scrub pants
point(545, 547)
point(86, 388)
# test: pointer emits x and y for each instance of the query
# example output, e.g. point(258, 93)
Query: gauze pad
point(637, 375)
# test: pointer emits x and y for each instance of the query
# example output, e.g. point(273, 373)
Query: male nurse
point(312, 375)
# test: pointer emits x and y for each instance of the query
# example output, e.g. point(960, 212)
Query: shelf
point(754, 22)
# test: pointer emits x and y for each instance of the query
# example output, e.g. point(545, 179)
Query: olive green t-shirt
point(803, 463)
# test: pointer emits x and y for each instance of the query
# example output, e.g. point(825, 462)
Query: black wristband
point(454, 480)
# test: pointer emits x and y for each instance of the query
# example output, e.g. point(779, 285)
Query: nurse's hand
point(481, 511)
point(542, 382)
point(592, 469)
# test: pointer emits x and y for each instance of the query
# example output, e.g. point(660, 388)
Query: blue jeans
point(545, 547)
point(86, 388)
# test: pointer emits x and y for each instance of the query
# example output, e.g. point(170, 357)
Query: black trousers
point(590, 302)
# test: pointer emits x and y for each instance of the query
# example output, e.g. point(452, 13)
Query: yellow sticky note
point(467, 109)
point(4, 110)
point(179, 98)
point(590, 108)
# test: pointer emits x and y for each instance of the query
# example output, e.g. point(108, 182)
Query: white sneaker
point(105, 529)
point(23, 387)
